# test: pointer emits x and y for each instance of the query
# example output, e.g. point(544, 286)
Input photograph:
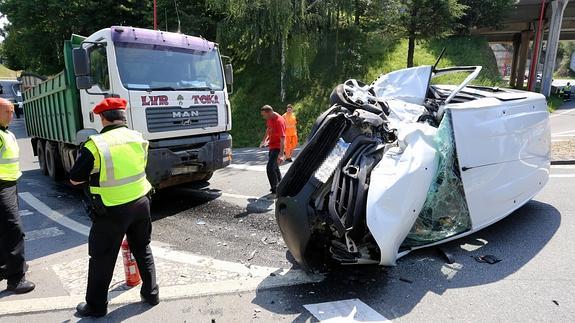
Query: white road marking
point(349, 310)
point(231, 195)
point(25, 212)
point(255, 168)
point(54, 215)
point(563, 136)
point(43, 233)
point(556, 114)
point(562, 132)
point(563, 167)
point(248, 277)
point(562, 176)
point(257, 152)
point(279, 279)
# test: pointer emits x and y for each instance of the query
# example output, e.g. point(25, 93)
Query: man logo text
point(185, 114)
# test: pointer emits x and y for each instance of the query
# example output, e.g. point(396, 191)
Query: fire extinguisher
point(130, 266)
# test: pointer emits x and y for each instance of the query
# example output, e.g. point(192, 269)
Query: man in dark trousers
point(12, 263)
point(114, 165)
point(275, 140)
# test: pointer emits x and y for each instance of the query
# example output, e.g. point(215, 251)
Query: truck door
point(101, 79)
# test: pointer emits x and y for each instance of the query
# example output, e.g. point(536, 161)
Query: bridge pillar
point(557, 10)
point(513, 76)
point(522, 63)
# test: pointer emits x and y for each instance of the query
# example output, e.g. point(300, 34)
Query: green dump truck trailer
point(177, 92)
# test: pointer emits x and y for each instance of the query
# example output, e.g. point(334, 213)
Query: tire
point(53, 162)
point(41, 152)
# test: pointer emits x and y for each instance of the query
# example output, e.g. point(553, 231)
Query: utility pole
point(155, 16)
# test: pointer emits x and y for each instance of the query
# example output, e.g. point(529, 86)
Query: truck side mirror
point(229, 72)
point(84, 82)
point(82, 68)
point(81, 61)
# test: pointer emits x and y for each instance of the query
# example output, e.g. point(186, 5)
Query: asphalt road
point(220, 257)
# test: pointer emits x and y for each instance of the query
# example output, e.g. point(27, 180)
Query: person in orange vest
point(291, 132)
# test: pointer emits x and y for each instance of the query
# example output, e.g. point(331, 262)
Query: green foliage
point(565, 51)
point(483, 14)
point(257, 84)
point(426, 19)
point(38, 28)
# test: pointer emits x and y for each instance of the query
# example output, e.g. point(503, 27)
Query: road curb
point(276, 279)
point(563, 162)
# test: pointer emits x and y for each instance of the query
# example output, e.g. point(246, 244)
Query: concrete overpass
point(524, 28)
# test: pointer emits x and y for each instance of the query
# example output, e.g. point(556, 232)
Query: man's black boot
point(22, 286)
point(151, 299)
point(84, 310)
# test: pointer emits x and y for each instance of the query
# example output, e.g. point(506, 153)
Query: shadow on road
point(396, 291)
point(130, 311)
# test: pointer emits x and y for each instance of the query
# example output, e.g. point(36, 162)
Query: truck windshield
point(153, 67)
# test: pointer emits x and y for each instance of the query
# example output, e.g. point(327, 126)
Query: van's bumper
point(176, 161)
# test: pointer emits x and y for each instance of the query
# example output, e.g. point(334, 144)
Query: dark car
point(10, 90)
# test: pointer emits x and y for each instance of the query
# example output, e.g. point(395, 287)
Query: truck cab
point(177, 91)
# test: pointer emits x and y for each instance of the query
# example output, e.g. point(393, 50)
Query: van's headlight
point(324, 172)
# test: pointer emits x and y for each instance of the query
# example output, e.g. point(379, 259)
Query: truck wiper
point(171, 88)
point(197, 88)
point(162, 88)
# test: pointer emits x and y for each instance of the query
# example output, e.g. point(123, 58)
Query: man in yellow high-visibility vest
point(12, 263)
point(114, 165)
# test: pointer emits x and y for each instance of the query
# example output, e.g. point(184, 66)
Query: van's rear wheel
point(53, 162)
point(41, 152)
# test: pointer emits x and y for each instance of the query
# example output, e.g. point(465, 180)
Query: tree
point(483, 14)
point(37, 29)
point(427, 19)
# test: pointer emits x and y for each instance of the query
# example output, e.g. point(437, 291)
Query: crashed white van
point(402, 164)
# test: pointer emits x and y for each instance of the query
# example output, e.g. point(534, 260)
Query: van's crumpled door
point(403, 177)
point(503, 152)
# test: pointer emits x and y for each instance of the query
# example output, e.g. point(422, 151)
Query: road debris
point(556, 302)
point(252, 255)
point(490, 259)
point(200, 222)
point(407, 280)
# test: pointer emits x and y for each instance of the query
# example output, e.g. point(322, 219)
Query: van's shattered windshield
point(153, 67)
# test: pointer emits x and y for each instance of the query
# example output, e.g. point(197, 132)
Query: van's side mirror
point(229, 74)
point(82, 68)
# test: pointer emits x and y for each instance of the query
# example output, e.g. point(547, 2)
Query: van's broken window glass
point(445, 212)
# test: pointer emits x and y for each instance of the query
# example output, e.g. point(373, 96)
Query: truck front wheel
point(41, 152)
point(53, 162)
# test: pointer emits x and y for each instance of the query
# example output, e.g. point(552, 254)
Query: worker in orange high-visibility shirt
point(291, 132)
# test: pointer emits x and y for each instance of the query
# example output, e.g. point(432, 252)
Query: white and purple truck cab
point(177, 89)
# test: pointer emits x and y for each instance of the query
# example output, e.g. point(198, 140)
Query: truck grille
point(178, 118)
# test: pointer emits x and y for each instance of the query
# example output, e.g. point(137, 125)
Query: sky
point(3, 21)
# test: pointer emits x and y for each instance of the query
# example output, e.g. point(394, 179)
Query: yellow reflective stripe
point(111, 180)
point(123, 181)
point(104, 149)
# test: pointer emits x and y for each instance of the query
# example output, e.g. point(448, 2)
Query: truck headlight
point(227, 154)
